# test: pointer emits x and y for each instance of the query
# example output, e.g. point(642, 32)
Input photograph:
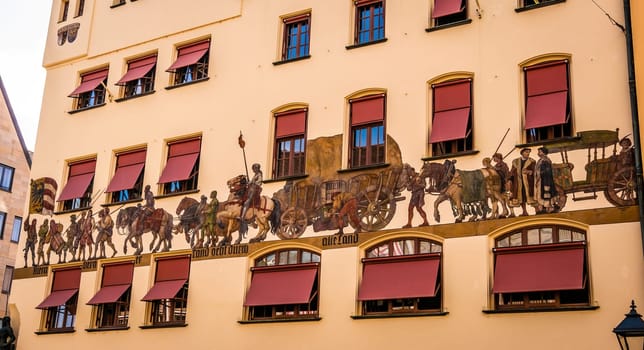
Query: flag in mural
point(42, 196)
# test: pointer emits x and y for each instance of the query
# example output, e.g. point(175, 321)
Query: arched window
point(284, 285)
point(401, 275)
point(541, 267)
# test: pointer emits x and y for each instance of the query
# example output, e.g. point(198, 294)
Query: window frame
point(298, 21)
point(274, 261)
point(547, 242)
point(373, 152)
point(80, 7)
point(158, 310)
point(551, 132)
point(3, 221)
point(456, 146)
point(295, 161)
point(64, 11)
point(16, 229)
point(93, 98)
point(197, 72)
point(118, 311)
point(374, 34)
point(4, 170)
point(130, 194)
point(187, 185)
point(140, 86)
point(7, 279)
point(403, 306)
point(451, 19)
point(525, 5)
point(85, 201)
point(62, 318)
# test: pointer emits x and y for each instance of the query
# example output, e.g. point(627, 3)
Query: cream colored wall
point(215, 304)
point(244, 86)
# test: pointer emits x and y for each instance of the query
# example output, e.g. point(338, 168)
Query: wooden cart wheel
point(621, 188)
point(375, 211)
point(293, 223)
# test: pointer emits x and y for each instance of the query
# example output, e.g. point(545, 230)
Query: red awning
point(178, 168)
point(89, 82)
point(290, 124)
point(447, 7)
point(400, 279)
point(539, 271)
point(367, 110)
point(57, 298)
point(546, 78)
point(546, 110)
point(189, 55)
point(138, 69)
point(76, 187)
point(450, 125)
point(125, 178)
point(452, 94)
point(281, 287)
point(108, 294)
point(164, 290)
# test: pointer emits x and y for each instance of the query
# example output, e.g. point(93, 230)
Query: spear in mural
point(500, 143)
point(242, 144)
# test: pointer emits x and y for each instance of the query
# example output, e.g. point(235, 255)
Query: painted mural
point(328, 200)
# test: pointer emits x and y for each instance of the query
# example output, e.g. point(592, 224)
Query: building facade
point(361, 174)
point(15, 163)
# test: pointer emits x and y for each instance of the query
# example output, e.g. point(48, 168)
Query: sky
point(23, 28)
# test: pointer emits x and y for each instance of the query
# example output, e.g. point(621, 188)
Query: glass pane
point(565, 235)
point(306, 257)
point(425, 247)
point(533, 236)
point(409, 247)
point(502, 243)
point(292, 256)
point(315, 258)
point(515, 240)
point(578, 237)
point(546, 235)
point(437, 248)
point(399, 248)
point(283, 258)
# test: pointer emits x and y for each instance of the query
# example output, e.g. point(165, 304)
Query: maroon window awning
point(536, 271)
point(64, 286)
point(367, 110)
point(450, 125)
point(546, 94)
point(290, 123)
point(281, 287)
point(444, 8)
point(452, 108)
point(399, 279)
point(171, 275)
point(182, 157)
point(125, 178)
point(138, 69)
point(89, 82)
point(80, 177)
point(117, 278)
point(189, 55)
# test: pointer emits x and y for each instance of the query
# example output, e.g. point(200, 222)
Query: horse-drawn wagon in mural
point(606, 170)
point(311, 203)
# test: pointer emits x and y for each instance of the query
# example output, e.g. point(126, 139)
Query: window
point(401, 276)
point(3, 219)
point(59, 307)
point(284, 285)
point(541, 267)
point(77, 193)
point(191, 64)
point(7, 279)
point(91, 91)
point(64, 10)
point(449, 11)
point(290, 143)
point(182, 169)
point(297, 36)
point(80, 8)
point(367, 131)
point(127, 182)
point(139, 78)
point(112, 301)
point(527, 4)
point(15, 232)
point(370, 21)
point(6, 177)
point(168, 297)
point(547, 102)
point(451, 117)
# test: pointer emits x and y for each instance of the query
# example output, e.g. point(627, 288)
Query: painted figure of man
point(209, 213)
point(345, 204)
point(72, 234)
point(503, 170)
point(105, 228)
point(522, 182)
point(32, 238)
point(86, 238)
point(544, 184)
point(417, 188)
point(254, 189)
point(626, 155)
point(43, 237)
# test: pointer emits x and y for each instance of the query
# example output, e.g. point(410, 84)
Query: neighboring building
point(336, 101)
point(15, 164)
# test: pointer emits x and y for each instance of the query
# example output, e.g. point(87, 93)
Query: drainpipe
point(634, 114)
